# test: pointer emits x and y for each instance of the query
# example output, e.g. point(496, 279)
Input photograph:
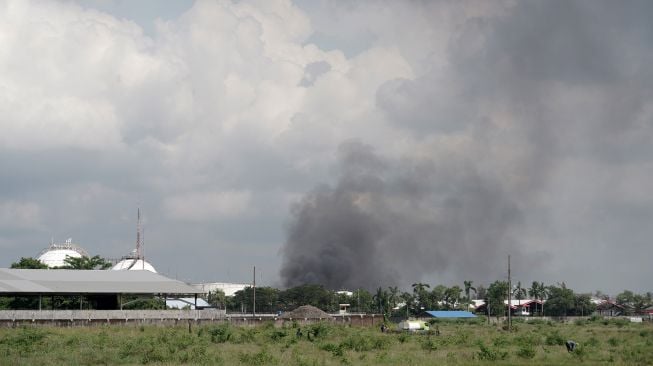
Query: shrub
point(528, 340)
point(221, 333)
point(490, 354)
point(357, 343)
point(500, 341)
point(25, 340)
point(429, 345)
point(319, 330)
point(262, 357)
point(613, 341)
point(277, 334)
point(554, 339)
point(336, 350)
point(247, 335)
point(526, 351)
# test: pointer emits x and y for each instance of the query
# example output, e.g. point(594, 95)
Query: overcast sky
point(503, 127)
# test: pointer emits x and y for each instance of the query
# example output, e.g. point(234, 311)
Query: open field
point(459, 343)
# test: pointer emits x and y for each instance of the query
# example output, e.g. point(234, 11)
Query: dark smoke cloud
point(389, 222)
point(533, 141)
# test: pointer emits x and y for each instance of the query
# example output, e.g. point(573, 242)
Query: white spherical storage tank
point(55, 255)
point(133, 264)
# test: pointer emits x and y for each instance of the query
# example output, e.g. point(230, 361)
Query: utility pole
point(509, 297)
point(254, 293)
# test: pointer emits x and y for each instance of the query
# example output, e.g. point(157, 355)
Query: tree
point(583, 305)
point(625, 298)
point(29, 263)
point(267, 300)
point(468, 289)
point(421, 294)
point(437, 297)
point(452, 297)
point(409, 300)
point(381, 300)
point(496, 294)
point(519, 292)
point(393, 296)
point(481, 292)
point(217, 298)
point(95, 262)
point(538, 292)
point(561, 300)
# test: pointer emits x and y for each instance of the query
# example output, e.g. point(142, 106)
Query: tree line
point(553, 300)
point(556, 300)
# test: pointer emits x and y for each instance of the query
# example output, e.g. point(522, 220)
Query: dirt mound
point(306, 312)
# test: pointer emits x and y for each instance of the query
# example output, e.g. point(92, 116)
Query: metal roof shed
point(26, 282)
point(451, 314)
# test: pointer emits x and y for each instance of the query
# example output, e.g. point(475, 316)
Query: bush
point(490, 354)
point(500, 341)
point(554, 339)
point(221, 333)
point(246, 336)
point(262, 357)
point(276, 334)
point(319, 330)
point(580, 322)
point(528, 340)
point(526, 351)
point(24, 340)
point(429, 345)
point(336, 350)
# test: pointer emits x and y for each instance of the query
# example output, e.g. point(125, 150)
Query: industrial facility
point(55, 254)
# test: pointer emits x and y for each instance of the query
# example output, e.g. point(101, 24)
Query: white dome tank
point(133, 264)
point(55, 254)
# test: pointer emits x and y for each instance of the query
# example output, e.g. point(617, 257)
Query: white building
point(229, 289)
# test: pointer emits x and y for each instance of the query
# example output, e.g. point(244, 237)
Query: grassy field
point(459, 343)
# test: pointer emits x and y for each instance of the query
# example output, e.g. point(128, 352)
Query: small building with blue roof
point(450, 314)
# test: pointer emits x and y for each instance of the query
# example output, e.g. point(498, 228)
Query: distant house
point(524, 307)
point(610, 308)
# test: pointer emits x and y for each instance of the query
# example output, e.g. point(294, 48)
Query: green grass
point(459, 343)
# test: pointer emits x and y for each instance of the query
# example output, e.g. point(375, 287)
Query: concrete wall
point(67, 318)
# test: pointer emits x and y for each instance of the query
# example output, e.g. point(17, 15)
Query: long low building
point(104, 287)
point(229, 289)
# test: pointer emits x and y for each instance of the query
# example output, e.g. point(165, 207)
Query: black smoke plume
point(390, 222)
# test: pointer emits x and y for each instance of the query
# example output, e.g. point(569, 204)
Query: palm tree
point(519, 292)
point(469, 288)
point(381, 299)
point(393, 295)
point(537, 291)
point(408, 299)
point(419, 289)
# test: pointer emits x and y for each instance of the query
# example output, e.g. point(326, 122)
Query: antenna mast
point(138, 235)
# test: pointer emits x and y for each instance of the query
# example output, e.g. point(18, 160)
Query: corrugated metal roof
point(451, 314)
point(62, 281)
